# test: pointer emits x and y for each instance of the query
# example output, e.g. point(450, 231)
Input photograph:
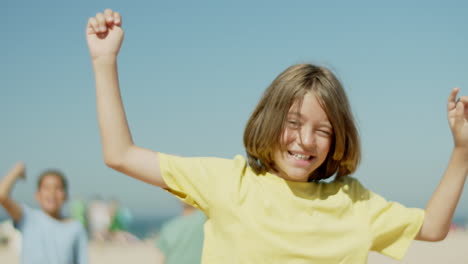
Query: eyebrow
point(326, 123)
point(295, 114)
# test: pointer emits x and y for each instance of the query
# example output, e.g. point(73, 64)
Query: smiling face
point(51, 194)
point(305, 141)
point(288, 133)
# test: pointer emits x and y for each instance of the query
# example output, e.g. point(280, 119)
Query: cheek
point(324, 145)
point(43, 193)
point(61, 195)
point(288, 137)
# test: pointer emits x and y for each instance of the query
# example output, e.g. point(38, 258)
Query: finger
point(19, 166)
point(101, 20)
point(463, 99)
point(108, 13)
point(117, 19)
point(19, 169)
point(459, 115)
point(451, 100)
point(93, 26)
point(22, 172)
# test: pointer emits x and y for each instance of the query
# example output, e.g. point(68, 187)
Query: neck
point(55, 215)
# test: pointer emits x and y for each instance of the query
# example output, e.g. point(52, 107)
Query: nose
point(307, 138)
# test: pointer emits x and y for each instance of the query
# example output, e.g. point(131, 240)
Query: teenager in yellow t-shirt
point(274, 206)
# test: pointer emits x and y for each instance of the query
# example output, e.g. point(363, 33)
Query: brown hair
point(266, 124)
point(56, 173)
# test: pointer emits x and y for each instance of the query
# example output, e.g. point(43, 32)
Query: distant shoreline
point(145, 226)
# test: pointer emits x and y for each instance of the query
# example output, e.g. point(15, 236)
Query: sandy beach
point(453, 250)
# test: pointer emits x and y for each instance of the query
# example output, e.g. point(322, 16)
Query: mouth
point(51, 202)
point(298, 156)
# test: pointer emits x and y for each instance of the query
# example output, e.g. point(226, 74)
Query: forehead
point(308, 107)
point(51, 179)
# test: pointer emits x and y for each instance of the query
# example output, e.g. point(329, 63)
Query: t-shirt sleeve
point(81, 249)
point(201, 182)
point(26, 214)
point(393, 226)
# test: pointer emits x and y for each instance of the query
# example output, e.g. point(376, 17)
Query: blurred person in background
point(181, 239)
point(99, 219)
point(47, 235)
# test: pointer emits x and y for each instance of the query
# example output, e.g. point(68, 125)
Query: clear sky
point(192, 71)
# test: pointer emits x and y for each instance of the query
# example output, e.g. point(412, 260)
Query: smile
point(299, 156)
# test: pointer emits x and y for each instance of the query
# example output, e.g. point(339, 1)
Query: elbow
point(435, 237)
point(3, 198)
point(440, 237)
point(113, 162)
point(116, 159)
point(4, 194)
point(434, 229)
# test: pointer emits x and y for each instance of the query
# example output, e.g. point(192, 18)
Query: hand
point(104, 34)
point(458, 118)
point(19, 170)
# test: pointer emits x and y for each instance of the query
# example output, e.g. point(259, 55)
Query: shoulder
point(204, 165)
point(77, 230)
point(73, 225)
point(238, 160)
point(30, 213)
point(353, 188)
point(30, 217)
point(29, 210)
point(349, 181)
point(367, 198)
point(77, 225)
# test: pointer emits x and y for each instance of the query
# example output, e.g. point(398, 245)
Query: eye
point(325, 132)
point(293, 123)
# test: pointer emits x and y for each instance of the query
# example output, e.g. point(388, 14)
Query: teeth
point(300, 157)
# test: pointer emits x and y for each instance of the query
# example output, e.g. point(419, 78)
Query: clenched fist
point(104, 34)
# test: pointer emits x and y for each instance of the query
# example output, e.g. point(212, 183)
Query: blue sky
point(192, 71)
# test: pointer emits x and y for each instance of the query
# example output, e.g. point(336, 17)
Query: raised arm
point(442, 205)
point(6, 184)
point(104, 35)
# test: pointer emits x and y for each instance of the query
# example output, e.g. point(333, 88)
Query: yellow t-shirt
point(265, 219)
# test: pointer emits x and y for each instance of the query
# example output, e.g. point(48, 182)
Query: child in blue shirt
point(48, 237)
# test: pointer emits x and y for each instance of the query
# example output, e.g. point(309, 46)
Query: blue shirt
point(46, 240)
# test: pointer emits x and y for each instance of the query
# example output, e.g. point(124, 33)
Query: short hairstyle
point(55, 173)
point(266, 125)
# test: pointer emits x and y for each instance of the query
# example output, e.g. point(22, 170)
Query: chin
point(51, 210)
point(298, 177)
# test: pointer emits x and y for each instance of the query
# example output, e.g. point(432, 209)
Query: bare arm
point(442, 205)
point(104, 37)
point(6, 185)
